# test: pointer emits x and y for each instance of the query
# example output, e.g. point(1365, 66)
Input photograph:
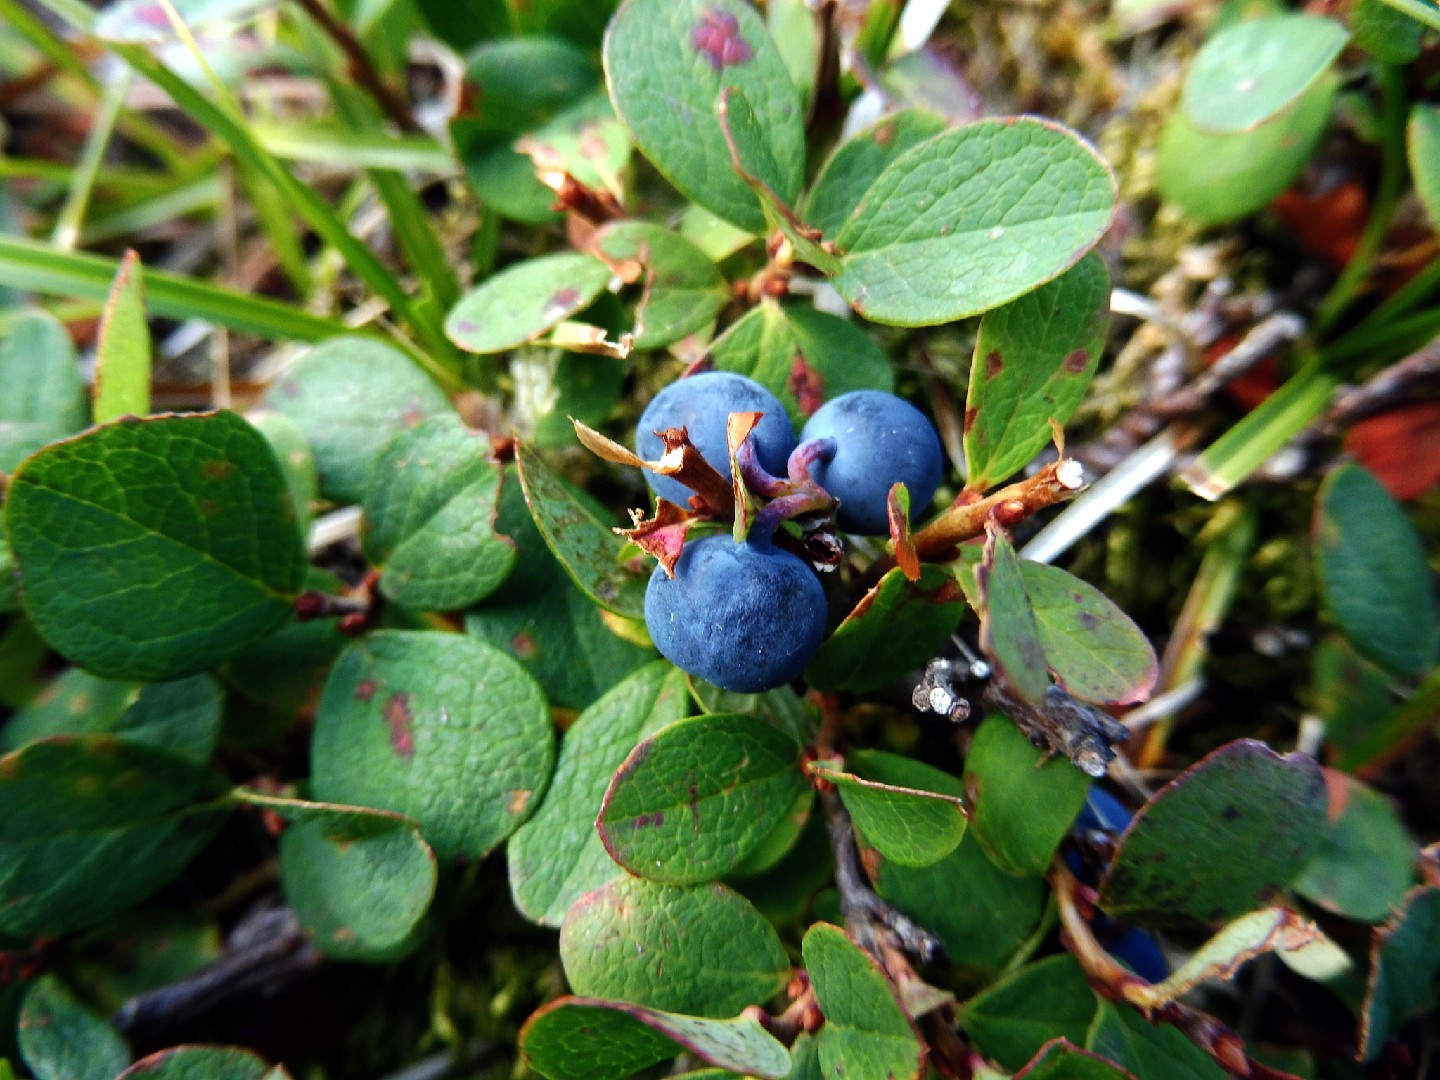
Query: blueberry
point(880, 440)
point(1102, 812)
point(701, 404)
point(1136, 949)
point(747, 617)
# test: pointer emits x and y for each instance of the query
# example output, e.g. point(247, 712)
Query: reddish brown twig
point(1056, 482)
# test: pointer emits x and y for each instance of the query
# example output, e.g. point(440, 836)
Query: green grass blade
point(82, 182)
point(234, 132)
point(408, 215)
point(197, 196)
point(278, 224)
point(1279, 418)
point(318, 145)
point(125, 183)
point(36, 267)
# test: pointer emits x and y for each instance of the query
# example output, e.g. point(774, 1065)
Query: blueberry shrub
point(793, 539)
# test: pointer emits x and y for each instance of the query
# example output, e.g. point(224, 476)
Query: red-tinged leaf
point(694, 799)
point(897, 510)
point(1401, 447)
point(1060, 1059)
point(1325, 223)
point(1219, 838)
point(663, 536)
point(1404, 961)
point(577, 1038)
point(867, 1032)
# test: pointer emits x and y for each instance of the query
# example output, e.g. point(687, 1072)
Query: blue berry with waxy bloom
point(879, 440)
point(702, 404)
point(747, 617)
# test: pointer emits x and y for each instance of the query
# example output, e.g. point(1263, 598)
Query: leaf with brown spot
point(802, 356)
point(1034, 359)
point(523, 301)
point(1183, 858)
point(667, 63)
point(455, 728)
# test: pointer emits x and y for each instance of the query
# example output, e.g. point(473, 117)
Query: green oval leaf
point(803, 356)
point(1009, 633)
point(666, 64)
point(1422, 141)
point(1366, 860)
point(866, 1032)
point(60, 1039)
point(430, 517)
point(981, 913)
point(181, 717)
point(585, 546)
point(74, 703)
point(908, 811)
point(150, 549)
point(1216, 178)
point(1402, 977)
point(546, 623)
point(1020, 809)
point(684, 290)
point(359, 881)
point(971, 219)
point(296, 460)
point(517, 84)
point(121, 818)
point(1013, 1019)
point(1249, 72)
point(44, 399)
point(1149, 1051)
point(896, 627)
point(1374, 579)
point(439, 727)
point(556, 856)
point(1240, 822)
point(576, 1038)
point(523, 301)
point(203, 1063)
point(857, 163)
point(1094, 650)
point(700, 949)
point(1034, 359)
point(695, 798)
point(351, 396)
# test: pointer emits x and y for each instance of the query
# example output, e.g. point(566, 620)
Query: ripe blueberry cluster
point(750, 616)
